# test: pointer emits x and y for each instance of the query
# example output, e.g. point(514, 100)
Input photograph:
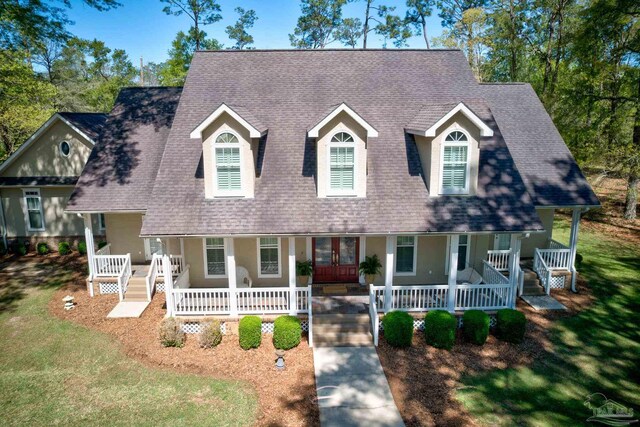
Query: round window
point(65, 148)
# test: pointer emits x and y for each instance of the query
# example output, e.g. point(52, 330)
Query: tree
point(238, 31)
point(318, 24)
point(174, 71)
point(388, 25)
point(201, 12)
point(417, 13)
point(349, 32)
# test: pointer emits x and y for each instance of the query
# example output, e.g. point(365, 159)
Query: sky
point(141, 28)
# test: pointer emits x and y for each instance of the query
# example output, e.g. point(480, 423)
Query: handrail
point(310, 315)
point(491, 275)
point(105, 250)
point(373, 314)
point(554, 244)
point(483, 297)
point(109, 265)
point(177, 264)
point(124, 276)
point(556, 259)
point(499, 259)
point(152, 275)
point(543, 271)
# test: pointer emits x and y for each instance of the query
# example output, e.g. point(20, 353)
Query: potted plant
point(370, 268)
point(304, 269)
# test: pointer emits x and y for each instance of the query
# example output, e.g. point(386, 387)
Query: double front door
point(335, 259)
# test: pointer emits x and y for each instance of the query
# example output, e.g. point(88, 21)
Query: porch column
point(309, 248)
point(514, 266)
point(168, 284)
point(91, 252)
point(182, 248)
point(453, 271)
point(573, 246)
point(362, 250)
point(388, 273)
point(292, 276)
point(231, 275)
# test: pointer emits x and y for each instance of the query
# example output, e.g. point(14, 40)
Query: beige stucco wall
point(123, 231)
point(57, 223)
point(43, 158)
point(539, 240)
point(430, 150)
point(248, 155)
point(342, 123)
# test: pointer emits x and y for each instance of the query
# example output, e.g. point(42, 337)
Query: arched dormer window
point(455, 163)
point(228, 171)
point(342, 164)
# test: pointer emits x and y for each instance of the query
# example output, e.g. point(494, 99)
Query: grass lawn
point(595, 351)
point(56, 372)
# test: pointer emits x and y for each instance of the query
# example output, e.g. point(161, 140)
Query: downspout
point(4, 223)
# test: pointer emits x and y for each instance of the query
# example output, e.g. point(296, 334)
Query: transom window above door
point(228, 164)
point(342, 164)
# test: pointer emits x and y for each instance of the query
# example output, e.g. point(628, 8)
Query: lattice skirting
point(267, 327)
point(159, 286)
point(557, 282)
point(418, 324)
point(108, 288)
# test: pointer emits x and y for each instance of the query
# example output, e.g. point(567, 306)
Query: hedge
point(475, 326)
point(398, 328)
point(511, 325)
point(287, 332)
point(440, 329)
point(42, 248)
point(64, 248)
point(82, 248)
point(250, 332)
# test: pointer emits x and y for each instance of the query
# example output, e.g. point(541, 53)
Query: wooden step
point(340, 339)
point(326, 328)
point(320, 319)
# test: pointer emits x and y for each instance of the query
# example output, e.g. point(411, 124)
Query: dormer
point(448, 141)
point(341, 146)
point(230, 138)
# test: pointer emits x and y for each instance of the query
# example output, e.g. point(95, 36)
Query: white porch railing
point(542, 269)
point(105, 250)
point(417, 298)
point(499, 259)
point(177, 264)
point(152, 275)
point(555, 259)
point(110, 265)
point(310, 316)
point(483, 297)
point(490, 274)
point(373, 314)
point(123, 277)
point(554, 244)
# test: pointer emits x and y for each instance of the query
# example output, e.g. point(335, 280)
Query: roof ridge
point(330, 50)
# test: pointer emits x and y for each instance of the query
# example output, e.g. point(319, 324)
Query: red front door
point(335, 259)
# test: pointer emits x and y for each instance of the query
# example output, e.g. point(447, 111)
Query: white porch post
point(573, 246)
point(231, 274)
point(514, 266)
point(362, 250)
point(292, 276)
point(309, 250)
point(182, 248)
point(91, 251)
point(388, 273)
point(453, 271)
point(168, 283)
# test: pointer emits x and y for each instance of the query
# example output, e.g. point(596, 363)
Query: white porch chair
point(469, 276)
point(243, 280)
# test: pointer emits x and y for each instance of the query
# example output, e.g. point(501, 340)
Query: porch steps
point(136, 290)
point(341, 330)
point(531, 285)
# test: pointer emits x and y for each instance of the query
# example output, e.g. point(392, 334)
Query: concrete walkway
point(352, 389)
point(128, 309)
point(543, 302)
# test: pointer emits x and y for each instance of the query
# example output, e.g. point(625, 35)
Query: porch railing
point(416, 298)
point(555, 259)
point(554, 244)
point(123, 277)
point(152, 275)
point(105, 250)
point(483, 297)
point(109, 265)
point(373, 314)
point(543, 270)
point(492, 275)
point(499, 259)
point(177, 264)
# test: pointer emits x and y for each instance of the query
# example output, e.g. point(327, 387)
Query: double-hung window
point(102, 223)
point(214, 257)
point(34, 215)
point(269, 257)
point(228, 171)
point(455, 164)
point(342, 164)
point(406, 252)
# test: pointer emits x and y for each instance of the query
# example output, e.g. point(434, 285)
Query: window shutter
point(454, 171)
point(341, 165)
point(228, 168)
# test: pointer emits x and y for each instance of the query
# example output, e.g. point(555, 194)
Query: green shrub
point(475, 326)
point(64, 248)
point(21, 249)
point(579, 259)
point(287, 332)
point(250, 332)
point(440, 329)
point(171, 334)
point(42, 248)
point(511, 325)
point(102, 244)
point(398, 328)
point(3, 248)
point(210, 334)
point(82, 248)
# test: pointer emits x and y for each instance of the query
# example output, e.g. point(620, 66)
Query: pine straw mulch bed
point(424, 379)
point(286, 398)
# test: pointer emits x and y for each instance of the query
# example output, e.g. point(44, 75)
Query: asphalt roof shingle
point(91, 124)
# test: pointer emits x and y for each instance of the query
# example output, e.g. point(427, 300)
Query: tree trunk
point(631, 202)
point(424, 32)
point(365, 30)
point(513, 66)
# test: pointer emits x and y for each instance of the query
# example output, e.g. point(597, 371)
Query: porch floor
point(347, 304)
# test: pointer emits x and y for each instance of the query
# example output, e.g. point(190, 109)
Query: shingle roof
point(290, 90)
point(90, 124)
point(546, 165)
point(39, 181)
point(121, 170)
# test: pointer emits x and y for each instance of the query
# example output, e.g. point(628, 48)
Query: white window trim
point(415, 258)
point(335, 192)
point(26, 208)
point(60, 148)
point(444, 144)
point(447, 260)
point(216, 191)
point(266, 276)
point(147, 248)
point(204, 255)
point(496, 241)
point(102, 225)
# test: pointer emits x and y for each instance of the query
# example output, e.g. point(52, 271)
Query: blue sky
point(141, 28)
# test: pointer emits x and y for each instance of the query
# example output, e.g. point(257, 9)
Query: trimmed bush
point(3, 249)
point(20, 249)
point(579, 259)
point(250, 332)
point(64, 248)
point(171, 334)
point(210, 334)
point(440, 329)
point(42, 248)
point(82, 248)
point(511, 325)
point(287, 332)
point(398, 328)
point(475, 326)
point(102, 244)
